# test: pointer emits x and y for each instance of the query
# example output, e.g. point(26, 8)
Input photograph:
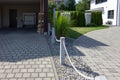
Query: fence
point(63, 51)
point(67, 14)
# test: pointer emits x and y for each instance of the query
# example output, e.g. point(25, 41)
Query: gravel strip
point(66, 72)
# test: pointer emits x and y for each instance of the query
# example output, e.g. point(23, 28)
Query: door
point(29, 19)
point(13, 18)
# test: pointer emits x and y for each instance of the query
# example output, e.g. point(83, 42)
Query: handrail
point(63, 51)
point(57, 39)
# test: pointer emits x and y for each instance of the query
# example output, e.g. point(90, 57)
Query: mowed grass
point(76, 32)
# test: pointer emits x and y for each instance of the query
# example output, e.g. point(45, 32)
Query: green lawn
point(75, 32)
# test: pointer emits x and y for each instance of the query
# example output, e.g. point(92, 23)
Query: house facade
point(24, 13)
point(110, 10)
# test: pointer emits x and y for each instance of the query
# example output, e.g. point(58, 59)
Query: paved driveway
point(101, 51)
point(25, 55)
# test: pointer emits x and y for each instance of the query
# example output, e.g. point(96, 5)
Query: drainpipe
point(117, 14)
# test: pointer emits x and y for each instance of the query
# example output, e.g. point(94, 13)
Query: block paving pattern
point(101, 51)
point(25, 56)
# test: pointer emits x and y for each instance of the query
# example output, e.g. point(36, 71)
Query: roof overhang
point(2, 2)
point(96, 9)
point(54, 0)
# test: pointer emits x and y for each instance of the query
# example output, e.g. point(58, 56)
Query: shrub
point(81, 19)
point(61, 6)
point(109, 22)
point(93, 18)
point(50, 12)
point(96, 18)
point(78, 19)
point(62, 26)
point(73, 18)
point(57, 14)
point(72, 15)
point(100, 18)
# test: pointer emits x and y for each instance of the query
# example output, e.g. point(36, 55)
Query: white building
point(59, 1)
point(110, 10)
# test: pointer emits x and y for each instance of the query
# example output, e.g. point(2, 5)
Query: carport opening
point(19, 15)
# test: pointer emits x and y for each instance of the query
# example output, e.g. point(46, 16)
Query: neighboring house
point(24, 13)
point(59, 1)
point(110, 10)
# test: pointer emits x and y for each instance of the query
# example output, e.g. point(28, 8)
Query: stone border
point(51, 58)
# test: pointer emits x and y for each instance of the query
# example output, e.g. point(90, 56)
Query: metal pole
point(53, 36)
point(54, 15)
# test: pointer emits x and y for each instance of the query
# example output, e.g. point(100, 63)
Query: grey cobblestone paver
point(101, 51)
point(25, 55)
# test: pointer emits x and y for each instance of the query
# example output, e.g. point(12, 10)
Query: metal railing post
point(62, 51)
point(100, 78)
point(53, 36)
point(49, 30)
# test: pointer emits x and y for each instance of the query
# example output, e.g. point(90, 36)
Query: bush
point(96, 18)
point(62, 26)
point(70, 5)
point(81, 19)
point(61, 6)
point(73, 18)
point(100, 18)
point(109, 22)
point(50, 13)
point(78, 19)
point(57, 14)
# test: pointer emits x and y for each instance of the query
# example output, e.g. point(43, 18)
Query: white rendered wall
point(109, 5)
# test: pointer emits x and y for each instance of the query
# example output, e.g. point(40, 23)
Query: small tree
point(50, 12)
point(74, 18)
point(61, 6)
point(78, 19)
point(81, 19)
point(100, 18)
point(96, 18)
point(83, 5)
point(71, 5)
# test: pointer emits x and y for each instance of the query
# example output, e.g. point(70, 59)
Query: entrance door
point(13, 18)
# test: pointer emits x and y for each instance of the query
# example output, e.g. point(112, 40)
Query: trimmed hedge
point(73, 16)
point(96, 18)
point(78, 19)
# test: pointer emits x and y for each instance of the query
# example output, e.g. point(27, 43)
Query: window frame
point(110, 14)
point(100, 1)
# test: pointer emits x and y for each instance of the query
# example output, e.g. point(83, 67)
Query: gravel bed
point(66, 72)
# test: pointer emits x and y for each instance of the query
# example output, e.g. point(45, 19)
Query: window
point(100, 1)
point(111, 14)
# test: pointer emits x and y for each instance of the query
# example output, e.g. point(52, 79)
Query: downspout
point(117, 14)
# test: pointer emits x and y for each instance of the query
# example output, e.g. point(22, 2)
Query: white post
point(54, 15)
point(100, 78)
point(53, 36)
point(62, 51)
point(49, 30)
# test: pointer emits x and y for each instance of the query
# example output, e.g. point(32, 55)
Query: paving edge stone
point(53, 65)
